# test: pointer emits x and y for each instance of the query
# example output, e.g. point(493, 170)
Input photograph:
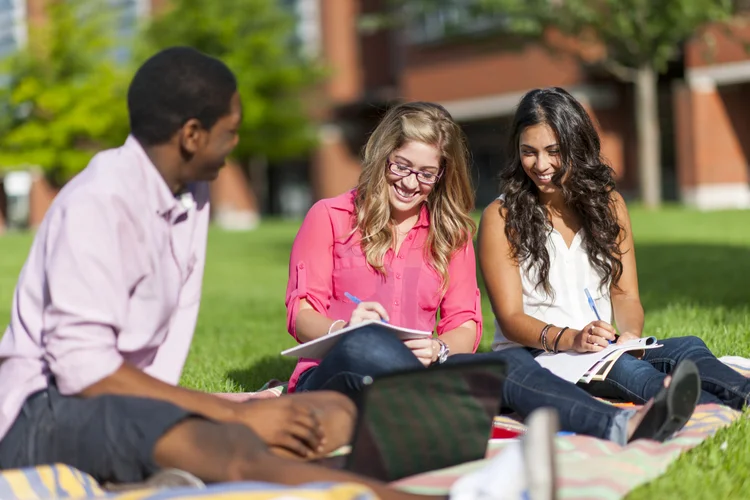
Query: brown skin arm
point(291, 425)
point(502, 277)
point(626, 300)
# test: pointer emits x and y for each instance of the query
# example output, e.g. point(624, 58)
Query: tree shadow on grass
point(693, 273)
point(261, 371)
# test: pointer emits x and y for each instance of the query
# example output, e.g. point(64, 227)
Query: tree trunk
point(258, 170)
point(649, 138)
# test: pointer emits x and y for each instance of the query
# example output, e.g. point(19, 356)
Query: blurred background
point(668, 82)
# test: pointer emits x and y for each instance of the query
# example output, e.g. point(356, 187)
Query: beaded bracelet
point(557, 340)
point(543, 337)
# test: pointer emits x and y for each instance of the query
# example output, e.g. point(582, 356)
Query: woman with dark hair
point(558, 231)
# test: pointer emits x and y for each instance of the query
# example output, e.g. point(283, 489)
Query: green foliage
point(255, 39)
point(64, 96)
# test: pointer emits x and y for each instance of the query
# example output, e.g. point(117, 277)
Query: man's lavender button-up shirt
point(114, 275)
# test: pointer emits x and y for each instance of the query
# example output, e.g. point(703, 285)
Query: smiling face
point(540, 156)
point(406, 194)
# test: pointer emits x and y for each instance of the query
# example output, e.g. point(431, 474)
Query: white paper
point(318, 348)
point(572, 366)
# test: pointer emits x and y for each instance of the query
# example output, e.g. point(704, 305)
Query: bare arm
point(502, 277)
point(626, 301)
point(130, 381)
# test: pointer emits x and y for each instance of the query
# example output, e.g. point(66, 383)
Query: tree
point(63, 97)
point(632, 39)
point(255, 38)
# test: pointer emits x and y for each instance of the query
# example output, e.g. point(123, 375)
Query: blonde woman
point(402, 243)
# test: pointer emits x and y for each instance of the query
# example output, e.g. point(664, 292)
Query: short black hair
point(174, 86)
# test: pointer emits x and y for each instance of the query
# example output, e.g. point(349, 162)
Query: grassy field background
point(694, 272)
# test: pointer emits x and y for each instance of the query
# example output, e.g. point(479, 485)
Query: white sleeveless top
point(570, 272)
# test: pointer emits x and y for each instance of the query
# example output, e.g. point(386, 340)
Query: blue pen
point(593, 306)
point(357, 301)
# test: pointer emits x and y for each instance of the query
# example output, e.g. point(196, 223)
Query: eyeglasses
point(422, 176)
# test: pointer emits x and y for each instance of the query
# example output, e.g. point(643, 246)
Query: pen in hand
point(357, 301)
point(593, 306)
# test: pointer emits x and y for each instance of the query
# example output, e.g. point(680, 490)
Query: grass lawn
point(694, 270)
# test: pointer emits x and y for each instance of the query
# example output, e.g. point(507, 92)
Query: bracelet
point(557, 340)
point(337, 321)
point(543, 337)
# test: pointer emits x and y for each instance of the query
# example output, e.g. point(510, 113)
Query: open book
point(318, 348)
point(576, 367)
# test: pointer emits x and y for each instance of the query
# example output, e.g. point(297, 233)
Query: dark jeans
point(638, 380)
point(112, 438)
point(528, 386)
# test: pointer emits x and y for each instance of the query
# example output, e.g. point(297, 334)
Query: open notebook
point(576, 367)
point(318, 348)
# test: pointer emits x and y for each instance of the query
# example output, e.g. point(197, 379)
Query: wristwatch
point(444, 352)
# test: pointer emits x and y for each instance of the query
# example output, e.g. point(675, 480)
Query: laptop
point(417, 421)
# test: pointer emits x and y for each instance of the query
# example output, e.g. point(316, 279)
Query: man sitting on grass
point(107, 301)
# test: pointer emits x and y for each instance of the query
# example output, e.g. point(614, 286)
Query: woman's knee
point(691, 342)
point(372, 347)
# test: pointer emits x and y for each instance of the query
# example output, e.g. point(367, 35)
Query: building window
point(128, 14)
point(461, 18)
point(12, 26)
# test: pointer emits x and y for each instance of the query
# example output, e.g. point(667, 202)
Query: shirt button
point(400, 256)
point(395, 303)
point(302, 265)
point(410, 237)
point(398, 276)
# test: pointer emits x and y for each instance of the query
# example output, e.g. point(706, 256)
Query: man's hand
point(304, 425)
point(285, 423)
point(424, 349)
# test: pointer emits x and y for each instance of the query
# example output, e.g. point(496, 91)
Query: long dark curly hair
point(584, 178)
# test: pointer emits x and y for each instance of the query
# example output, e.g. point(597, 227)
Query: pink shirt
point(327, 261)
point(114, 274)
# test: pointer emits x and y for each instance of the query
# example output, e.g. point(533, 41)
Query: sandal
point(673, 405)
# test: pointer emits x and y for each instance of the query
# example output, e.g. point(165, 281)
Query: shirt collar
point(159, 194)
point(345, 202)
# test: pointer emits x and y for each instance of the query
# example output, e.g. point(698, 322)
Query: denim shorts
point(112, 438)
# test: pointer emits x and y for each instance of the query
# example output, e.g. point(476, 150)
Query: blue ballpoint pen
point(357, 301)
point(593, 306)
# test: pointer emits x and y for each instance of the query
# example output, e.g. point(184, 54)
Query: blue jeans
point(527, 387)
point(638, 380)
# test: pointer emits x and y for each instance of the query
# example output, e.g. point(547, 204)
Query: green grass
point(693, 270)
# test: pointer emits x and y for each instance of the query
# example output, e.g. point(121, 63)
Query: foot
point(671, 408)
point(524, 469)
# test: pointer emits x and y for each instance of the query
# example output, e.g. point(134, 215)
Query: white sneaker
point(525, 469)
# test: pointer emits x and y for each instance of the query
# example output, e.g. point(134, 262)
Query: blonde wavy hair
point(450, 201)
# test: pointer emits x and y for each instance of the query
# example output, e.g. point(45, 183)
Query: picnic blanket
point(588, 467)
point(64, 482)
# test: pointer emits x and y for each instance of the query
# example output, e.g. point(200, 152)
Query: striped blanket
point(616, 470)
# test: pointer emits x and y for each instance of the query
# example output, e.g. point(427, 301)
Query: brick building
point(479, 77)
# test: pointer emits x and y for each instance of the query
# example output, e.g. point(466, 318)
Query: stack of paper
point(576, 367)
